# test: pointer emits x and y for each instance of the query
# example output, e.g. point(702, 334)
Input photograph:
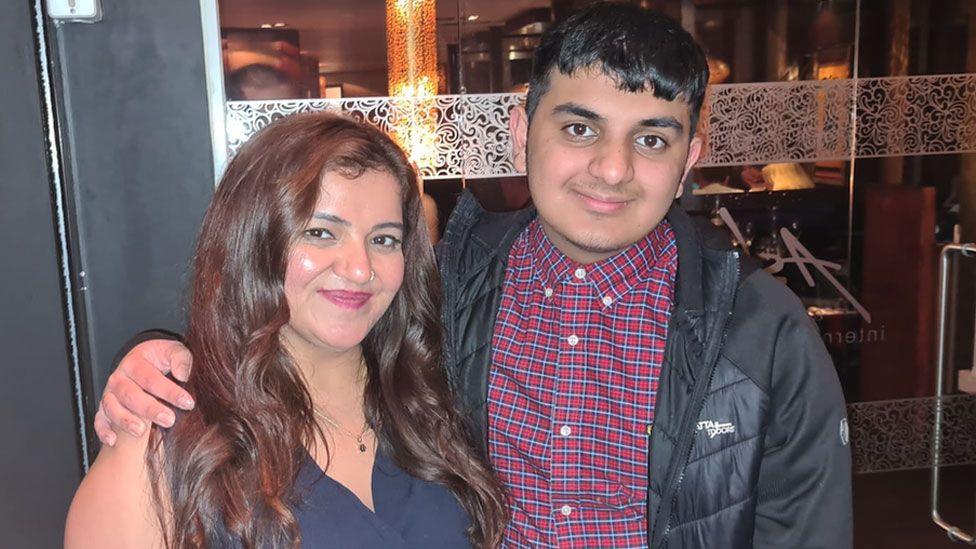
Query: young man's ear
point(694, 151)
point(518, 124)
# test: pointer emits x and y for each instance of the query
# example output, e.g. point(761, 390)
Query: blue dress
point(410, 513)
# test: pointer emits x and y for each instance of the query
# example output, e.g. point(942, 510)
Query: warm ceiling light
point(411, 55)
point(473, 17)
point(280, 25)
point(265, 25)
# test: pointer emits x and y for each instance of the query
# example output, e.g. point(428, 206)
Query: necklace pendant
point(362, 447)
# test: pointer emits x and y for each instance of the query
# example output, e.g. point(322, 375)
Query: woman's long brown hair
point(229, 467)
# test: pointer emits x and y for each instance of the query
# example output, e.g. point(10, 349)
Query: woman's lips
point(346, 299)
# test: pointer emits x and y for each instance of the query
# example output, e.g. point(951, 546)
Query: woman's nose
point(354, 264)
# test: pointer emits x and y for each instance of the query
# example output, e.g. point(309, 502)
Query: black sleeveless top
point(410, 513)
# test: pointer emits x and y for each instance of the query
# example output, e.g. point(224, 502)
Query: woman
point(316, 350)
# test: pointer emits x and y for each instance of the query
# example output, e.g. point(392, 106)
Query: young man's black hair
point(637, 48)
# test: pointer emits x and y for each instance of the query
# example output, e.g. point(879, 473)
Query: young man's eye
point(652, 142)
point(579, 130)
point(387, 241)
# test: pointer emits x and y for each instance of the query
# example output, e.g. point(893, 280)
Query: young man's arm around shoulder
point(113, 507)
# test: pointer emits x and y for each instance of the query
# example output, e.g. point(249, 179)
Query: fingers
point(129, 402)
point(147, 365)
point(180, 360)
point(150, 380)
point(103, 428)
point(120, 416)
point(165, 355)
point(128, 406)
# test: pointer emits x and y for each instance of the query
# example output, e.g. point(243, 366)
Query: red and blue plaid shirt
point(577, 355)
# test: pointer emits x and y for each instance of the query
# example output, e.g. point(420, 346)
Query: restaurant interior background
point(841, 150)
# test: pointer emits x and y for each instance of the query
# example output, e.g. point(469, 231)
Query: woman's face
point(347, 265)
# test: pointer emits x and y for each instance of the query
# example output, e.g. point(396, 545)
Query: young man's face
point(603, 164)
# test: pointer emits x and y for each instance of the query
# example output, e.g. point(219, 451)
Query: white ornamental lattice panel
point(893, 435)
point(776, 122)
point(916, 115)
point(805, 121)
point(470, 133)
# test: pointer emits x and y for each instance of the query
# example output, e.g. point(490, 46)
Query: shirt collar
point(611, 277)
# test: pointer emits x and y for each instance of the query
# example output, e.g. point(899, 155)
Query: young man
point(633, 381)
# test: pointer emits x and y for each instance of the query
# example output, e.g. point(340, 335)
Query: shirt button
point(572, 340)
point(580, 273)
point(565, 430)
point(566, 510)
point(548, 292)
point(607, 300)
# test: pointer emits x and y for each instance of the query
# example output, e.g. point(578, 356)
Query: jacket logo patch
point(714, 428)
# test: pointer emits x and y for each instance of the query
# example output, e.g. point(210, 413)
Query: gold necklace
point(359, 438)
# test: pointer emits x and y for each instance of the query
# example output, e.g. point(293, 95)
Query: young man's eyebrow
point(662, 122)
point(576, 110)
point(654, 122)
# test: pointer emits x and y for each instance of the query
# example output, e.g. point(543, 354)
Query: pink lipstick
point(346, 299)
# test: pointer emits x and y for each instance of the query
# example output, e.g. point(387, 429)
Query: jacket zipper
point(650, 461)
point(697, 403)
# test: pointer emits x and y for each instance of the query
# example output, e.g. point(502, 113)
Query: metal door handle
point(966, 250)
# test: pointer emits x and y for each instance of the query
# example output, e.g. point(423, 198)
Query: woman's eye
point(318, 233)
point(387, 241)
point(652, 142)
point(579, 130)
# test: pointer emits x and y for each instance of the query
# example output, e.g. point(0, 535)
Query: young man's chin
point(599, 244)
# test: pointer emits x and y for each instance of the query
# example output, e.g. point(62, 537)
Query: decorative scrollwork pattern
point(892, 435)
point(916, 115)
point(776, 122)
point(471, 136)
point(805, 121)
